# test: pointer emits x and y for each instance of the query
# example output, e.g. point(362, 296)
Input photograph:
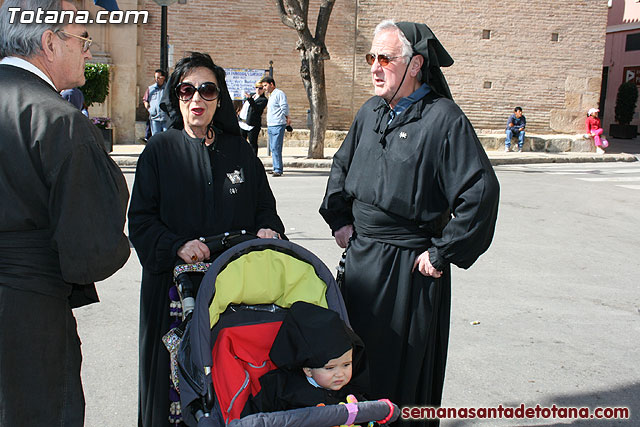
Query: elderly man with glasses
point(411, 191)
point(61, 217)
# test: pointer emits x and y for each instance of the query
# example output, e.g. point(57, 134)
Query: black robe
point(182, 191)
point(421, 182)
point(62, 213)
point(282, 390)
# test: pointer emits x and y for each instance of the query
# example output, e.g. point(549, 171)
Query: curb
point(496, 159)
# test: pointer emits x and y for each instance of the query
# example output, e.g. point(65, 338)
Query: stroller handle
point(216, 244)
point(225, 240)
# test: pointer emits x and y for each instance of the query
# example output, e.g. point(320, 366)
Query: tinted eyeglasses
point(383, 60)
point(208, 91)
point(87, 40)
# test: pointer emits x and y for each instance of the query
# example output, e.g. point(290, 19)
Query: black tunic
point(181, 192)
point(62, 213)
point(309, 336)
point(282, 390)
point(422, 182)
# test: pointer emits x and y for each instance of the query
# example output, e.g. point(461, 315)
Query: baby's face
point(335, 374)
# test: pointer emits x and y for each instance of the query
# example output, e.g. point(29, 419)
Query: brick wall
point(552, 81)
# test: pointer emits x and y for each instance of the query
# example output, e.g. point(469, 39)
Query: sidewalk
point(620, 150)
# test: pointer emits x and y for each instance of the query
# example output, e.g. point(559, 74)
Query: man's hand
point(424, 266)
point(194, 251)
point(343, 235)
point(267, 233)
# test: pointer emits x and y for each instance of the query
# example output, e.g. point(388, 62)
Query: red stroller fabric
point(240, 357)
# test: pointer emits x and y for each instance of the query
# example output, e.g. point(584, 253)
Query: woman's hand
point(424, 266)
point(267, 233)
point(194, 251)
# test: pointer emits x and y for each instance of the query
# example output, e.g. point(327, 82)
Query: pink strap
point(388, 417)
point(353, 411)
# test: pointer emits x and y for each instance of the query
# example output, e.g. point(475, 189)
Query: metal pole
point(164, 44)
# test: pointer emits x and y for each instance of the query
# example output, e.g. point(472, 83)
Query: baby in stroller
point(320, 360)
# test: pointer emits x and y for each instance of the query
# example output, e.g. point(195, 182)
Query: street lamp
point(164, 44)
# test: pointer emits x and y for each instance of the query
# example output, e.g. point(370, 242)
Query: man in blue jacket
point(157, 117)
point(515, 127)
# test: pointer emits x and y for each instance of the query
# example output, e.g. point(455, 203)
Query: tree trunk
point(317, 96)
point(313, 53)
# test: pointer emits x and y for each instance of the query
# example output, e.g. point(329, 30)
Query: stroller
point(224, 349)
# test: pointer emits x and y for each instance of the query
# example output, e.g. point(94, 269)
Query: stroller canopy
point(266, 277)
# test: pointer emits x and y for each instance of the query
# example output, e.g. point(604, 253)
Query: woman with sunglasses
point(198, 178)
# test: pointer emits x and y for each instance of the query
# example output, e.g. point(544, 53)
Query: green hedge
point(96, 87)
point(626, 102)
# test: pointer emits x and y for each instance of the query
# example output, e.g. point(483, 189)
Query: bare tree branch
point(286, 20)
point(304, 6)
point(323, 20)
point(297, 15)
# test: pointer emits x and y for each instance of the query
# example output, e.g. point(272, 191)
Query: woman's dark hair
point(224, 119)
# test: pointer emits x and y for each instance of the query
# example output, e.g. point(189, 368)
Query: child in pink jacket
point(595, 130)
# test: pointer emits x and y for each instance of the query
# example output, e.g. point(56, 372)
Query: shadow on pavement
point(630, 146)
point(625, 396)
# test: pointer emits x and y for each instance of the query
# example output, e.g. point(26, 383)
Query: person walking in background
point(61, 217)
point(410, 192)
point(74, 96)
point(157, 117)
point(277, 120)
point(515, 127)
point(251, 123)
point(147, 124)
point(594, 130)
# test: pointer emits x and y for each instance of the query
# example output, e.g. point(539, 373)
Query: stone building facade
point(542, 55)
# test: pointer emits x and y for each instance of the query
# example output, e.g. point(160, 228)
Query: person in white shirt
point(277, 120)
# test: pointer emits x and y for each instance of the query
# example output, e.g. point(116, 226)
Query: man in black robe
point(61, 218)
point(411, 191)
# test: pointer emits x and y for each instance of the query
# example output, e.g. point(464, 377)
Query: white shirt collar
point(26, 65)
point(313, 382)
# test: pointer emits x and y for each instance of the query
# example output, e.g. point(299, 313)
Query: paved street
point(556, 297)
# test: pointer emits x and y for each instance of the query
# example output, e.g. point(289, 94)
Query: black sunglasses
point(208, 91)
point(383, 60)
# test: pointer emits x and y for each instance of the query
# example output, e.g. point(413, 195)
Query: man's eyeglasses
point(383, 60)
point(87, 40)
point(208, 91)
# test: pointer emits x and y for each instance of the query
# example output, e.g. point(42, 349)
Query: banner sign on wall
point(241, 80)
point(632, 74)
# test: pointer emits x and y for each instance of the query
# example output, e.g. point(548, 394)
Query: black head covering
point(310, 336)
point(225, 119)
point(425, 43)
